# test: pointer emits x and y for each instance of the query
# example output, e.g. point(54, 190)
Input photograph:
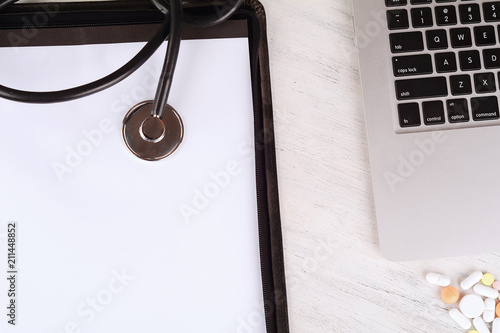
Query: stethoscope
point(152, 130)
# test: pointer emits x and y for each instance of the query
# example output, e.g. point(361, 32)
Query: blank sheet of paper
point(106, 242)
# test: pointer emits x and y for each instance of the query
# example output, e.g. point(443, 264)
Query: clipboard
point(180, 245)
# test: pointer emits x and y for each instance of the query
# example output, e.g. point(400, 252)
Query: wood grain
point(338, 281)
point(326, 195)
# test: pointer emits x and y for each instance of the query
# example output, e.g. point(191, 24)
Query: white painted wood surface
point(338, 280)
point(326, 195)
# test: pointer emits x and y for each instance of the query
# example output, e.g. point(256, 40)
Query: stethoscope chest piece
point(152, 138)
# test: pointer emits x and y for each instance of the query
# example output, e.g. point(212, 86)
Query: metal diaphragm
point(151, 138)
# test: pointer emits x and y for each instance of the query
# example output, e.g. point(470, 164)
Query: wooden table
point(338, 281)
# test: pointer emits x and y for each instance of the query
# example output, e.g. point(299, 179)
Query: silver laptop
point(430, 78)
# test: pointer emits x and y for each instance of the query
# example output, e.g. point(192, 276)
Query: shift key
point(421, 88)
point(406, 42)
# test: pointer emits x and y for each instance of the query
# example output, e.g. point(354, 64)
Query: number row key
point(444, 15)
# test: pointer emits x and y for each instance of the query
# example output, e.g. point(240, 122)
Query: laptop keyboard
point(446, 62)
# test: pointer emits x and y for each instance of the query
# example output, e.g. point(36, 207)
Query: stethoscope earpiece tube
point(167, 74)
point(152, 130)
point(5, 3)
point(94, 87)
point(220, 13)
point(217, 15)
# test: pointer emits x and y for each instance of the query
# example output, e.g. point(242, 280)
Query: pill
point(471, 306)
point(438, 279)
point(485, 291)
point(495, 328)
point(450, 295)
point(487, 279)
point(471, 280)
point(480, 325)
point(496, 285)
point(473, 331)
point(497, 310)
point(489, 310)
point(460, 319)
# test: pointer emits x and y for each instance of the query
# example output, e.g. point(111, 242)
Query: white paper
point(107, 242)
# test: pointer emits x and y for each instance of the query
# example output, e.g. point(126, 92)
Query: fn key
point(409, 115)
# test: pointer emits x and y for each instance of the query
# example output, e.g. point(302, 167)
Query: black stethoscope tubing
point(170, 29)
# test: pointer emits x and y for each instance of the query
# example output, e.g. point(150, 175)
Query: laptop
point(430, 78)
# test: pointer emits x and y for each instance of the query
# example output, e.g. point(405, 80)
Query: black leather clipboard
point(134, 21)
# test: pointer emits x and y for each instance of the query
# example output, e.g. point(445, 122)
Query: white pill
point(485, 291)
point(489, 310)
point(472, 306)
point(460, 319)
point(438, 279)
point(495, 328)
point(480, 325)
point(471, 280)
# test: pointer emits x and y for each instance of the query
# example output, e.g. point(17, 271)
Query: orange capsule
point(450, 295)
point(497, 310)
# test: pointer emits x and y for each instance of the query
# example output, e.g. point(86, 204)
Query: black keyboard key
point(491, 58)
point(485, 35)
point(406, 42)
point(445, 62)
point(421, 88)
point(412, 65)
point(436, 39)
point(460, 37)
point(439, 1)
point(392, 3)
point(458, 110)
point(491, 11)
point(469, 60)
point(397, 19)
point(484, 83)
point(460, 85)
point(446, 15)
point(421, 17)
point(409, 115)
point(433, 112)
point(420, 2)
point(469, 13)
point(484, 108)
